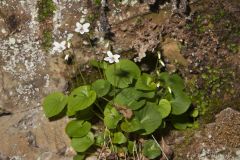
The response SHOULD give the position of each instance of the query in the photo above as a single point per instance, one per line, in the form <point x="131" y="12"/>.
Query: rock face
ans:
<point x="219" y="140"/>
<point x="26" y="76"/>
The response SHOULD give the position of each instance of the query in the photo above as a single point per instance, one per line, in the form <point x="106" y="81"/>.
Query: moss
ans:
<point x="207" y="90"/>
<point x="46" y="9"/>
<point x="47" y="40"/>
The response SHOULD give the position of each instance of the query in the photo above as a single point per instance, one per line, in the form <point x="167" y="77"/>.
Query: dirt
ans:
<point x="203" y="46"/>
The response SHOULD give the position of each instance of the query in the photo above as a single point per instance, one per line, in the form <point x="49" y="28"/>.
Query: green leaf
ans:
<point x="79" y="157"/>
<point x="130" y="147"/>
<point x="97" y="64"/>
<point x="181" y="122"/>
<point x="128" y="97"/>
<point x="54" y="104"/>
<point x="119" y="138"/>
<point x="175" y="82"/>
<point x="145" y="82"/>
<point x="78" y="128"/>
<point x="149" y="118"/>
<point x="111" y="117"/>
<point x="131" y="126"/>
<point x="122" y="74"/>
<point x="101" y="87"/>
<point x="164" y="107"/>
<point x="195" y="113"/>
<point x="100" y="139"/>
<point x="180" y="103"/>
<point x="151" y="149"/>
<point x="83" y="143"/>
<point x="80" y="99"/>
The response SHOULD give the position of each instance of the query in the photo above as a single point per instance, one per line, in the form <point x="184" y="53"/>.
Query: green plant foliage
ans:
<point x="101" y="87"/>
<point x="83" y="143"/>
<point x="97" y="64"/>
<point x="79" y="157"/>
<point x="111" y="117"/>
<point x="129" y="97"/>
<point x="195" y="113"/>
<point x="123" y="73"/>
<point x="100" y="139"/>
<point x="181" y="122"/>
<point x="80" y="98"/>
<point x="150" y="119"/>
<point x="129" y="104"/>
<point x="145" y="82"/>
<point x="78" y="128"/>
<point x="131" y="126"/>
<point x="180" y="103"/>
<point x="164" y="107"/>
<point x="119" y="138"/>
<point x="151" y="149"/>
<point x="130" y="147"/>
<point x="175" y="82"/>
<point x="54" y="104"/>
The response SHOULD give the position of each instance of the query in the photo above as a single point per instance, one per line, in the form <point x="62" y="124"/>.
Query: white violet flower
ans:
<point x="112" y="57"/>
<point x="59" y="47"/>
<point x="85" y="11"/>
<point x="82" y="28"/>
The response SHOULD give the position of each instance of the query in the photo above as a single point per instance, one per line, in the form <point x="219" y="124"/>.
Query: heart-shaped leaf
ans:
<point x="180" y="103"/>
<point x="131" y="126"/>
<point x="54" y="104"/>
<point x="119" y="138"/>
<point x="149" y="118"/>
<point x="164" y="107"/>
<point x="80" y="98"/>
<point x="129" y="97"/>
<point x="175" y="82"/>
<point x="145" y="82"/>
<point x="151" y="149"/>
<point x="78" y="128"/>
<point x="83" y="143"/>
<point x="101" y="87"/>
<point x="122" y="74"/>
<point x="111" y="117"/>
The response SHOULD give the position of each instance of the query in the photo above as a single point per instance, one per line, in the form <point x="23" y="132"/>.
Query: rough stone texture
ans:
<point x="219" y="140"/>
<point x="27" y="74"/>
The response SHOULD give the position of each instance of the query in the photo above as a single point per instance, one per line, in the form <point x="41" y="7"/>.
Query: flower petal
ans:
<point x="109" y="53"/>
<point x="78" y="25"/>
<point x="106" y="59"/>
<point x="63" y="43"/>
<point x="55" y="44"/>
<point x="86" y="25"/>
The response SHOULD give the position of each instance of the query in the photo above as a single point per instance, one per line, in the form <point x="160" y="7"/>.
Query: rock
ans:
<point x="219" y="140"/>
<point x="171" y="50"/>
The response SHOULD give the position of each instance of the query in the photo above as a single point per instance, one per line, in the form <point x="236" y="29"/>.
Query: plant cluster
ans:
<point x="131" y="104"/>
